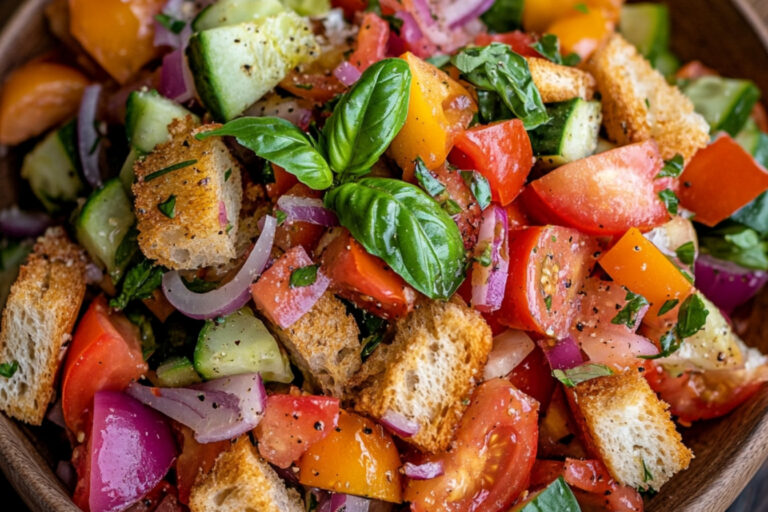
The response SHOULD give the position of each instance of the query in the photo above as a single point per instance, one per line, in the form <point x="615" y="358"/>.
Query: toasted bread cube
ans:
<point x="324" y="344"/>
<point x="242" y="481"/>
<point x="560" y="83"/>
<point x="628" y="427"/>
<point x="639" y="104"/>
<point x="37" y="322"/>
<point x="428" y="370"/>
<point x="202" y="228"/>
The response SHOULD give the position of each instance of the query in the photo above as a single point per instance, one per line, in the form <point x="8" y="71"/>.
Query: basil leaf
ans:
<point x="574" y="376"/>
<point x="8" y="370"/>
<point x="668" y="306"/>
<point x="168" y="207"/>
<point x="139" y="283"/>
<point x="402" y="225"/>
<point x="304" y="276"/>
<point x="146" y="332"/>
<point x="670" y="200"/>
<point x="281" y="143"/>
<point x="490" y="108"/>
<point x="504" y="15"/>
<point x="497" y="68"/>
<point x="755" y="214"/>
<point x="368" y="117"/>
<point x="672" y="168"/>
<point x="738" y="244"/>
<point x="556" y="497"/>
<point x="628" y="314"/>
<point x="686" y="253"/>
<point x="438" y="60"/>
<point x="479" y="186"/>
<point x="427" y="180"/>
<point x="549" y="47"/>
<point x="691" y="317"/>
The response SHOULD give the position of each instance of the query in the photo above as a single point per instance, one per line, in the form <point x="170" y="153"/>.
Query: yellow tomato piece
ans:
<point x="638" y="265"/>
<point x="439" y="108"/>
<point x="118" y="34"/>
<point x="582" y="33"/>
<point x="538" y="15"/>
<point x="358" y="457"/>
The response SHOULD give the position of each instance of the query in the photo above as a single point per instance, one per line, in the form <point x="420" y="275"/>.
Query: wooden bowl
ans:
<point x="727" y="36"/>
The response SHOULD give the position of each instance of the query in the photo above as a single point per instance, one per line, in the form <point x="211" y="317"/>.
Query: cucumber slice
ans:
<point x="176" y="372"/>
<point x="240" y="343"/>
<point x="103" y="223"/>
<point x="235" y="66"/>
<point x="309" y="7"/>
<point x="646" y="26"/>
<point x="724" y="102"/>
<point x="127" y="176"/>
<point x="667" y="64"/>
<point x="232" y="12"/>
<point x="571" y="133"/>
<point x="51" y="169"/>
<point x="147" y="116"/>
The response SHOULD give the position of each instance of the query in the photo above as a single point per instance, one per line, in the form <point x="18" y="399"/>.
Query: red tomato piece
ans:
<point x="350" y="7"/>
<point x="289" y="234"/>
<point x="519" y="41"/>
<point x="366" y="279"/>
<point x="516" y="215"/>
<point x="105" y="355"/>
<point x="694" y="69"/>
<point x="533" y="377"/>
<point x="547" y="267"/>
<point x="501" y="152"/>
<point x="194" y="459"/>
<point x="317" y="87"/>
<point x="604" y="194"/>
<point x="372" y="42"/>
<point x="494" y="452"/>
<point x="291" y="424"/>
<point x="468" y="220"/>
<point x="283" y="182"/>
<point x="714" y="195"/>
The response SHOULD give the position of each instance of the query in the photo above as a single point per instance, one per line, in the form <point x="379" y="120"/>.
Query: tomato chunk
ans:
<point x="519" y="41"/>
<point x="317" y="87"/>
<point x="357" y="457"/>
<point x="194" y="459"/>
<point x="501" y="152"/>
<point x="582" y="33"/>
<point x="105" y="356"/>
<point x="366" y="279"/>
<point x="494" y="452"/>
<point x="547" y="267"/>
<point x="468" y="219"/>
<point x="604" y="194"/>
<point x="284" y="181"/>
<point x="291" y="424"/>
<point x="371" y="42"/>
<point x="713" y="194"/>
<point x="533" y="376"/>
<point x="289" y="234"/>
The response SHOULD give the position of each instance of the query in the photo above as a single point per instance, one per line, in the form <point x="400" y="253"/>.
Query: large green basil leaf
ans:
<point x="281" y="143"/>
<point x="368" y="117"/>
<point x="401" y="224"/>
<point x="497" y="68"/>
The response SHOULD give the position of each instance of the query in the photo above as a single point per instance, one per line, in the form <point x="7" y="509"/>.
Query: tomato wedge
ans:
<point x="317" y="87"/>
<point x="194" y="459"/>
<point x="604" y="194"/>
<point x="283" y="182"/>
<point x="547" y="267"/>
<point x="371" y="42"/>
<point x="501" y="152"/>
<point x="468" y="219"/>
<point x="105" y="355"/>
<point x="290" y="234"/>
<point x="519" y="41"/>
<point x="494" y="452"/>
<point x="533" y="376"/>
<point x="291" y="424"/>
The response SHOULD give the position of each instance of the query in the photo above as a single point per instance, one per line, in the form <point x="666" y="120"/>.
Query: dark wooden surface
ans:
<point x="753" y="499"/>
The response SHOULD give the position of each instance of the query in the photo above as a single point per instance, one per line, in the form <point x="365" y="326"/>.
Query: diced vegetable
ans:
<point x="232" y="12"/>
<point x="724" y="102"/>
<point x="147" y="116"/>
<point x="240" y="343"/>
<point x="726" y="284"/>
<point x="195" y="458"/>
<point x="176" y="372"/>
<point x="714" y="195"/>
<point x="582" y="32"/>
<point x="372" y="42"/>
<point x="571" y="133"/>
<point x="533" y="377"/>
<point x="646" y="25"/>
<point x="309" y="7"/>
<point x="556" y="496"/>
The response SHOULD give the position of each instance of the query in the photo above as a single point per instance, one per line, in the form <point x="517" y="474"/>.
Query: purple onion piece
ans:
<point x="21" y="224"/>
<point x="564" y="355"/>
<point x="727" y="284"/>
<point x="489" y="282"/>
<point x="423" y="471"/>
<point x="347" y="73"/>
<point x="399" y="424"/>
<point x="88" y="138"/>
<point x="307" y="209"/>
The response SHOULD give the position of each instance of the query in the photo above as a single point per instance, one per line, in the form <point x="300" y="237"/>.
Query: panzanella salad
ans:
<point x="383" y="255"/>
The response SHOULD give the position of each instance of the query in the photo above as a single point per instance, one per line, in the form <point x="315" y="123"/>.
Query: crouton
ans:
<point x="324" y="344"/>
<point x="628" y="427"/>
<point x="639" y="104"/>
<point x="428" y="370"/>
<point x="200" y="229"/>
<point x="242" y="481"/>
<point x="560" y="83"/>
<point x="37" y="321"/>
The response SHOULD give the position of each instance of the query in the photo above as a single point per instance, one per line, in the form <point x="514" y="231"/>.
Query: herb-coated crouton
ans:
<point x="560" y="83"/>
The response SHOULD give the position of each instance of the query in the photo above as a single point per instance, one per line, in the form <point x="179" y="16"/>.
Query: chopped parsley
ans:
<point x="573" y="376"/>
<point x="280" y="215"/>
<point x="548" y="302"/>
<point x="304" y="276"/>
<point x="647" y="475"/>
<point x="140" y="281"/>
<point x="628" y="314"/>
<point x="672" y="168"/>
<point x="7" y="370"/>
<point x="686" y="253"/>
<point x="670" y="200"/>
<point x="168" y="207"/>
<point x="227" y="174"/>
<point x="691" y="318"/>
<point x="170" y="168"/>
<point x="668" y="306"/>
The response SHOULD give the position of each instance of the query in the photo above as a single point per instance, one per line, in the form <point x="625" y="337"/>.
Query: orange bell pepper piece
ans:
<point x="438" y="110"/>
<point x="538" y="15"/>
<point x="36" y="97"/>
<point x="719" y="180"/>
<point x="118" y="34"/>
<point x="582" y="33"/>
<point x="635" y="263"/>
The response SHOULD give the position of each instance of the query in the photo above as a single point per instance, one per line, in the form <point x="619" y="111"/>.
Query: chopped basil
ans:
<point x="139" y="283"/>
<point x="628" y="314"/>
<point x="304" y="276"/>
<point x="7" y="370"/>
<point x="451" y="207"/>
<point x="168" y="207"/>
<point x="170" y="168"/>
<point x="582" y="7"/>
<point x="668" y="306"/>
<point x="198" y="285"/>
<point x="736" y="243"/>
<point x="371" y="342"/>
<point x="171" y="23"/>
<point x="479" y="186"/>
<point x="672" y="168"/>
<point x="574" y="376"/>
<point x="670" y="200"/>
<point x="556" y="497"/>
<point x="647" y="475"/>
<point x="439" y="60"/>
<point x="227" y="174"/>
<point x="427" y="180"/>
<point x="395" y="23"/>
<point x="549" y="47"/>
<point x="504" y="16"/>
<point x="146" y="331"/>
<point x="548" y="302"/>
<point x="280" y="215"/>
<point x="686" y="253"/>
<point x="485" y="257"/>
<point x="691" y="318"/>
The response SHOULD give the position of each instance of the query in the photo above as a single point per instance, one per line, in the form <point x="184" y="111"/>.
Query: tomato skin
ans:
<point x="291" y="424"/>
<point x="105" y="355"/>
<point x="357" y="457"/>
<point x="534" y="300"/>
<point x="365" y="279"/>
<point x="533" y="377"/>
<point x="501" y="152"/>
<point x="495" y="448"/>
<point x="519" y="41"/>
<point x="290" y="234"/>
<point x="194" y="459"/>
<point x="468" y="220"/>
<point x="282" y="184"/>
<point x="372" y="42"/>
<point x="603" y="194"/>
<point x="350" y="7"/>
<point x="317" y="87"/>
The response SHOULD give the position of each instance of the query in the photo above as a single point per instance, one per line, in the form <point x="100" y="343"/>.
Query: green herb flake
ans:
<point x="692" y="316"/>
<point x="227" y="174"/>
<point x="647" y="475"/>
<point x="668" y="306"/>
<point x="306" y="87"/>
<point x="572" y="59"/>
<point x="304" y="276"/>
<point x="479" y="186"/>
<point x="139" y="283"/>
<point x="628" y="314"/>
<point x="172" y="24"/>
<point x="686" y="253"/>
<point x="548" y="302"/>
<point x="280" y="215"/>
<point x="439" y="60"/>
<point x="426" y="179"/>
<point x="670" y="200"/>
<point x="582" y="7"/>
<point x="8" y="370"/>
<point x="484" y="258"/>
<point x="395" y="23"/>
<point x="574" y="376"/>
<point x="371" y="342"/>
<point x="451" y="207"/>
<point x="672" y="168"/>
<point x="549" y="47"/>
<point x="171" y="168"/>
<point x="168" y="207"/>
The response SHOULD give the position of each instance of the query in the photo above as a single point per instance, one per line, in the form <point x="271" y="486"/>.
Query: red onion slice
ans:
<point x="307" y="209"/>
<point x="248" y="387"/>
<point x="347" y="503"/>
<point x="229" y="297"/>
<point x="459" y="12"/>
<point x="509" y="350"/>
<point x="399" y="424"/>
<point x="410" y="31"/>
<point x="88" y="138"/>
<point x="727" y="284"/>
<point x="423" y="471"/>
<point x="423" y="12"/>
<point x="347" y="73"/>
<point x="22" y="224"/>
<point x="489" y="281"/>
<point x="223" y="218"/>
<point x="564" y="354"/>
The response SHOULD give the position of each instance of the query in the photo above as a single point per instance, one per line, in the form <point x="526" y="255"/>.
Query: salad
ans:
<point x="369" y="255"/>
